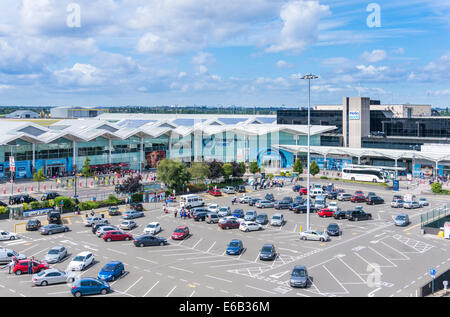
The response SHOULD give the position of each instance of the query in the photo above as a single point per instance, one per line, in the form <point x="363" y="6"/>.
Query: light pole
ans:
<point x="308" y="198"/>
<point x="413" y="161"/>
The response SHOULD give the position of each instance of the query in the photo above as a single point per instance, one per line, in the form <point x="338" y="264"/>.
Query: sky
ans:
<point x="215" y="52"/>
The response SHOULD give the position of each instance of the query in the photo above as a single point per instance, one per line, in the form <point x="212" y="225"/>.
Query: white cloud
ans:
<point x="374" y="56"/>
<point x="399" y="51"/>
<point x="284" y="64"/>
<point x="79" y="74"/>
<point x="203" y="58"/>
<point x="300" y="26"/>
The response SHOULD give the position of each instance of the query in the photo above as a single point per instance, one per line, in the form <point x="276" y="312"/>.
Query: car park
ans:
<point x="267" y="252"/>
<point x="374" y="200"/>
<point x="132" y="214"/>
<point x="111" y="271"/>
<point x="262" y="219"/>
<point x="229" y="224"/>
<point x="89" y="286"/>
<point x="224" y="211"/>
<point x="344" y="197"/>
<point x="264" y="204"/>
<point x="81" y="261"/>
<point x="180" y="233"/>
<point x="53" y="228"/>
<point x="229" y="190"/>
<point x="314" y="235"/>
<point x="277" y="220"/>
<point x="50" y="277"/>
<point x="325" y="212"/>
<point x="299" y="277"/>
<point x="23" y="267"/>
<point x="116" y="235"/>
<point x="402" y="220"/>
<point x="55" y="254"/>
<point x="6" y="255"/>
<point x="357" y="215"/>
<point x="5" y="235"/>
<point x="50" y="195"/>
<point x="397" y="203"/>
<point x="235" y="247"/>
<point x="212" y="218"/>
<point x="247" y="226"/>
<point x="333" y="229"/>
<point x="250" y="215"/>
<point x="149" y="240"/>
<point x="127" y="225"/>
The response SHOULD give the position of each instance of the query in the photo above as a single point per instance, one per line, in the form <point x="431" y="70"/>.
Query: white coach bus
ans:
<point x="364" y="174"/>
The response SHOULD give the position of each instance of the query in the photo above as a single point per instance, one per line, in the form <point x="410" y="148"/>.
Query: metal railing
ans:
<point x="434" y="218"/>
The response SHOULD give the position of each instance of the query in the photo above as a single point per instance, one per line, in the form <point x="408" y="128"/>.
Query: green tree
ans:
<point x="199" y="170"/>
<point x="86" y="171"/>
<point x="436" y="188"/>
<point x="173" y="173"/>
<point x="227" y="170"/>
<point x="253" y="167"/>
<point x="39" y="177"/>
<point x="243" y="169"/>
<point x="298" y="166"/>
<point x="314" y="168"/>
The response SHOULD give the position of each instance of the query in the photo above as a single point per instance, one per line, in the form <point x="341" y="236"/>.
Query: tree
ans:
<point x="227" y="170"/>
<point x="39" y="177"/>
<point x="199" y="170"/>
<point x="298" y="166"/>
<point x="86" y="171"/>
<point x="132" y="184"/>
<point x="238" y="169"/>
<point x="436" y="188"/>
<point x="243" y="169"/>
<point x="253" y="167"/>
<point x="173" y="173"/>
<point x="314" y="168"/>
<point x="215" y="169"/>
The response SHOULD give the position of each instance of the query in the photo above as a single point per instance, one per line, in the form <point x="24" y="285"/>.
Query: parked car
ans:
<point x="340" y="214"/>
<point x="111" y="271"/>
<point x="359" y="193"/>
<point x="299" y="277"/>
<point x="97" y="226"/>
<point x="247" y="226"/>
<point x="229" y="224"/>
<point x="262" y="219"/>
<point x="332" y="195"/>
<point x="423" y="202"/>
<point x="300" y="209"/>
<point x="269" y="197"/>
<point x="314" y="235"/>
<point x="137" y="207"/>
<point x="344" y="197"/>
<point x="240" y="189"/>
<point x="7" y="254"/>
<point x="81" y="261"/>
<point x="245" y="199"/>
<point x="127" y="225"/>
<point x="5" y="235"/>
<point x="116" y="235"/>
<point x="395" y="197"/>
<point x="277" y="220"/>
<point x="104" y="229"/>
<point x="113" y="211"/>
<point x="303" y="191"/>
<point x="238" y="213"/>
<point x="212" y="218"/>
<point x="215" y="192"/>
<point x="132" y="214"/>
<point x="333" y="229"/>
<point x="358" y="199"/>
<point x="325" y="213"/>
<point x="250" y="215"/>
<point x="402" y="220"/>
<point x="213" y="208"/>
<point x="229" y="190"/>
<point x="19" y="199"/>
<point x="36" y="266"/>
<point x="235" y="247"/>
<point x="50" y="277"/>
<point x="333" y="206"/>
<point x="267" y="252"/>
<point x="89" y="286"/>
<point x="55" y="254"/>
<point x="53" y="228"/>
<point x="92" y="220"/>
<point x="224" y="211"/>
<point x="264" y="204"/>
<point x="282" y="204"/>
<point x="200" y="216"/>
<point x="54" y="217"/>
<point x="253" y="201"/>
<point x="357" y="215"/>
<point x="149" y="240"/>
<point x="397" y="203"/>
<point x="50" y="195"/>
<point x="411" y="205"/>
<point x="374" y="200"/>
<point x="180" y="233"/>
<point x="370" y="194"/>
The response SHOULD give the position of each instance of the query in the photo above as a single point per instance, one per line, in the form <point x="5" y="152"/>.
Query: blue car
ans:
<point x="235" y="247"/>
<point x="238" y="213"/>
<point x="111" y="271"/>
<point x="89" y="286"/>
<point x="132" y="214"/>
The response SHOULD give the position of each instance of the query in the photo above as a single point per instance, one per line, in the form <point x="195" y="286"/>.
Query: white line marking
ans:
<point x="218" y="278"/>
<point x="150" y="289"/>
<point x="133" y="284"/>
<point x="171" y="290"/>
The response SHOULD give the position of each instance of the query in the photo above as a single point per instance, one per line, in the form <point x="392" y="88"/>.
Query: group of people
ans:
<point x="14" y="262"/>
<point x="184" y="213"/>
<point x="264" y="184"/>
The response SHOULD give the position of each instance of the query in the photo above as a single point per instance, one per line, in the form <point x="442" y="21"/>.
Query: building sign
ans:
<point x="354" y="115"/>
<point x="153" y="158"/>
<point x="12" y="164"/>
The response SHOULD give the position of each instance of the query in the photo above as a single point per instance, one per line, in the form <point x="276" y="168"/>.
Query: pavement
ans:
<point x="372" y="258"/>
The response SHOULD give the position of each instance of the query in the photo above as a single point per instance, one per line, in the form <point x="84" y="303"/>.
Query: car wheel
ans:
<point x="12" y="238"/>
<point x="44" y="283"/>
<point x="322" y="240"/>
<point x="127" y="238"/>
<point x="303" y="238"/>
<point x="18" y="272"/>
<point x="50" y="233"/>
<point x="108" y="240"/>
<point x="141" y="245"/>
<point x="370" y="218"/>
<point x="77" y="294"/>
<point x="161" y="243"/>
<point x="66" y="229"/>
<point x="113" y="278"/>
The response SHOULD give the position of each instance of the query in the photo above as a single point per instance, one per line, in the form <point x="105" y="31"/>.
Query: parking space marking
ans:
<point x="134" y="284"/>
<point x="260" y="289"/>
<point x="218" y="278"/>
<point x="120" y="252"/>
<point x="150" y="261"/>
<point x="151" y="289"/>
<point x="171" y="291"/>
<point x="179" y="269"/>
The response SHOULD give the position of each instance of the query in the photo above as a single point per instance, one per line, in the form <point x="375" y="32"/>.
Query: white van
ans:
<point x="191" y="201"/>
<point x="316" y="192"/>
<point x="7" y="254"/>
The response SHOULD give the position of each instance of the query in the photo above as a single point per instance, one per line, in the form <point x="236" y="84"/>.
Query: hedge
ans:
<point x="3" y="210"/>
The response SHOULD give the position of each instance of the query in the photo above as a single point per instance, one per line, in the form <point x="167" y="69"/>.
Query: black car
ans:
<point x="262" y="219"/>
<point x="137" y="207"/>
<point x="269" y="197"/>
<point x="3" y="204"/>
<point x="54" y="217"/>
<point x="253" y="201"/>
<point x="340" y="214"/>
<point x="282" y="204"/>
<point x="267" y="252"/>
<point x="19" y="199"/>
<point x="96" y="226"/>
<point x="33" y="225"/>
<point x="374" y="200"/>
<point x="146" y="240"/>
<point x="240" y="189"/>
<point x="48" y="196"/>
<point x="298" y="200"/>
<point x="200" y="215"/>
<point x="333" y="229"/>
<point x="288" y="199"/>
<point x="357" y="215"/>
<point x="299" y="209"/>
<point x="113" y="211"/>
<point x="332" y="195"/>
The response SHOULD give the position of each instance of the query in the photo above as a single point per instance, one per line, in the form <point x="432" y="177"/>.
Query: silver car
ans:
<point x="101" y="231"/>
<point x="398" y="203"/>
<point x="224" y="211"/>
<point x="314" y="235"/>
<point x="94" y="220"/>
<point x="277" y="220"/>
<point x="264" y="204"/>
<point x="250" y="215"/>
<point x="55" y="254"/>
<point x="127" y="225"/>
<point x="229" y="190"/>
<point x="299" y="276"/>
<point x="51" y="276"/>
<point x="402" y="220"/>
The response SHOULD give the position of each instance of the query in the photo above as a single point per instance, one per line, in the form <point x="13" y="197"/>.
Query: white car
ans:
<point x="277" y="220"/>
<point x="213" y="208"/>
<point x="344" y="197"/>
<point x="247" y="226"/>
<point x="225" y="219"/>
<point x="94" y="220"/>
<point x="245" y="199"/>
<point x="224" y="211"/>
<point x="152" y="228"/>
<point x="104" y="229"/>
<point x="229" y="190"/>
<point x="423" y="202"/>
<point x="314" y="235"/>
<point x="81" y="261"/>
<point x="333" y="206"/>
<point x="5" y="235"/>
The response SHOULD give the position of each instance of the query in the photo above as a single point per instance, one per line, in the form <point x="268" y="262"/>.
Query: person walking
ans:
<point x="30" y="267"/>
<point x="175" y="213"/>
<point x="12" y="264"/>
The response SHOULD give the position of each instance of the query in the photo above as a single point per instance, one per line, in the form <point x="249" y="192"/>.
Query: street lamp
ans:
<point x="308" y="198"/>
<point x="413" y="161"/>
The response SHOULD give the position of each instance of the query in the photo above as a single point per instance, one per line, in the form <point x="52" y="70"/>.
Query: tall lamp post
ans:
<point x="308" y="198"/>
<point x="413" y="161"/>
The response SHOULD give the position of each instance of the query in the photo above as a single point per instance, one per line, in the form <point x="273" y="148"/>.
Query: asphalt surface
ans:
<point x="371" y="258"/>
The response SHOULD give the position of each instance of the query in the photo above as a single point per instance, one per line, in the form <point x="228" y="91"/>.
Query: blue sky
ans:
<point x="234" y="52"/>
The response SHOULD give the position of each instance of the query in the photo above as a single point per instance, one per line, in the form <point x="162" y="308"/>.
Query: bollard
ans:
<point x="18" y="189"/>
<point x="4" y="192"/>
<point x="31" y="188"/>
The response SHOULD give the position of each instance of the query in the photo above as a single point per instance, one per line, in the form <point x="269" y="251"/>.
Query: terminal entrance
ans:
<point x="55" y="170"/>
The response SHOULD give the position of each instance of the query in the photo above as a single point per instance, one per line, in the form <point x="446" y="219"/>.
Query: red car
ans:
<point x="215" y="192"/>
<point x="116" y="236"/>
<point x="180" y="233"/>
<point x="325" y="213"/>
<point x="303" y="191"/>
<point x="229" y="224"/>
<point x="359" y="193"/>
<point x="22" y="267"/>
<point x="358" y="199"/>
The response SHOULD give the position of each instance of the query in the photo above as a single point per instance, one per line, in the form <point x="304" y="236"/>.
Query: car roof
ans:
<point x="298" y="267"/>
<point x="154" y="223"/>
<point x="84" y="253"/>
<point x="113" y="263"/>
<point x="182" y="227"/>
<point x="236" y="240"/>
<point x="268" y="245"/>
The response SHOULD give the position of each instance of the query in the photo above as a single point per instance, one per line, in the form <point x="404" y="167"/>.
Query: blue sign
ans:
<point x="433" y="273"/>
<point x="354" y="115"/>
<point x="396" y="186"/>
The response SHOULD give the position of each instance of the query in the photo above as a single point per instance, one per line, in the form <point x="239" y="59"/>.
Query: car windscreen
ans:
<point x="53" y="251"/>
<point x="179" y="230"/>
<point x="78" y="258"/>
<point x="266" y="249"/>
<point x="108" y="268"/>
<point x="234" y="244"/>
<point x="299" y="273"/>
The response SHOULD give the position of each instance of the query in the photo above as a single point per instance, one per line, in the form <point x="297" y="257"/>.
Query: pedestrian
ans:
<point x="92" y="213"/>
<point x="12" y="264"/>
<point x="30" y="267"/>
<point x="175" y="213"/>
